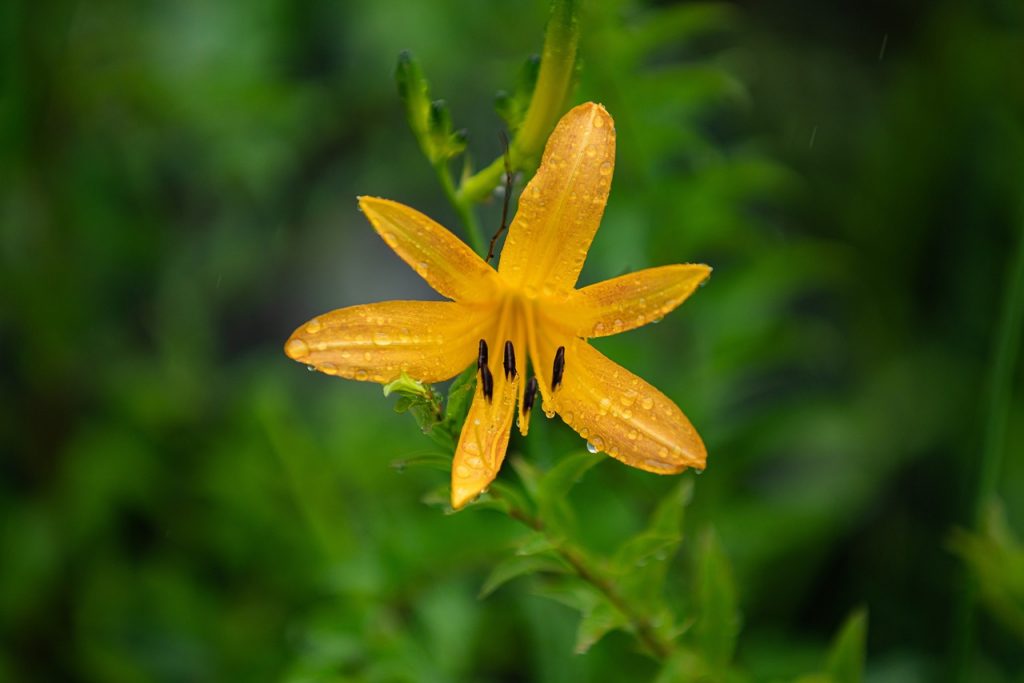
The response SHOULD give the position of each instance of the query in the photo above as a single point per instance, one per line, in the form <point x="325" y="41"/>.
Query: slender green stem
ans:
<point x="999" y="393"/>
<point x="554" y="81"/>
<point x="642" y="626"/>
<point x="465" y="209"/>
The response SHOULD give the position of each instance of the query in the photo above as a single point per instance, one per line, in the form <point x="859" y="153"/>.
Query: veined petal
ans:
<point x="484" y="439"/>
<point x="630" y="301"/>
<point x="624" y="416"/>
<point x="429" y="340"/>
<point x="561" y="207"/>
<point x="439" y="257"/>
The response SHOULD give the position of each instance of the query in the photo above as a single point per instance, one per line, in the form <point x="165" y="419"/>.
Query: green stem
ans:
<point x="642" y="626"/>
<point x="1000" y="383"/>
<point x="554" y="80"/>
<point x="463" y="208"/>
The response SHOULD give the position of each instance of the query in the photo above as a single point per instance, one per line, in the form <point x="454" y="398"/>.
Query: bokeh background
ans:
<point x="180" y="502"/>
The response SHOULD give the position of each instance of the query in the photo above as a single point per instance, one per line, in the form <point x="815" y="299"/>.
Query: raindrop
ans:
<point x="632" y="435"/>
<point x="313" y="326"/>
<point x="658" y="319"/>
<point x="381" y="338"/>
<point x="328" y="368"/>
<point x="311" y="368"/>
<point x="296" y="348"/>
<point x="389" y="239"/>
<point x="698" y="471"/>
<point x="591" y="447"/>
<point x="598" y="329"/>
<point x="596" y="444"/>
<point x="362" y="375"/>
<point x="646" y="402"/>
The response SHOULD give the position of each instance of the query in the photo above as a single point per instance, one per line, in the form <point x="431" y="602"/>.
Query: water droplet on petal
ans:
<point x="604" y="405"/>
<point x="591" y="447"/>
<point x="698" y="471"/>
<point x="313" y="326"/>
<point x="606" y="168"/>
<point x="389" y="239"/>
<point x="646" y="402"/>
<point x="632" y="435"/>
<point x="596" y="444"/>
<point x="381" y="338"/>
<point x="362" y="375"/>
<point x="328" y="368"/>
<point x="658" y="319"/>
<point x="598" y="329"/>
<point x="311" y="368"/>
<point x="296" y="348"/>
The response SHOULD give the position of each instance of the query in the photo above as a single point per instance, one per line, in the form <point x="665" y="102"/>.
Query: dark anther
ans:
<point x="481" y="359"/>
<point x="510" y="360"/>
<point x="559" y="369"/>
<point x="487" y="383"/>
<point x="531" y="393"/>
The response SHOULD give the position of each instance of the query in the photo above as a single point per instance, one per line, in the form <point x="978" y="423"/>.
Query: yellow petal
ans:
<point x="561" y="208"/>
<point x="622" y="415"/>
<point x="439" y="257"/>
<point x="484" y="439"/>
<point x="429" y="340"/>
<point x="630" y="301"/>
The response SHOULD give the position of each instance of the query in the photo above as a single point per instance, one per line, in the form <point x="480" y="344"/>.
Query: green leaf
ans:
<point x="846" y="656"/>
<point x="520" y="565"/>
<point x="685" y="666"/>
<point x="553" y="490"/>
<point x="557" y="481"/>
<point x="529" y="475"/>
<point x="718" y="620"/>
<point x="407" y="386"/>
<point x="996" y="559"/>
<point x="534" y="543"/>
<point x="596" y="623"/>
<point x="436" y="461"/>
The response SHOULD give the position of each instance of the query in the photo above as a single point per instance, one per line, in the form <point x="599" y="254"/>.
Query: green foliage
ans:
<point x="180" y="502"/>
<point x="995" y="558"/>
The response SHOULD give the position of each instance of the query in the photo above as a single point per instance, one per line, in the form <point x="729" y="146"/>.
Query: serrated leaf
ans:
<point x="520" y="565"/>
<point x="846" y="656"/>
<point x="602" y="619"/>
<point x="718" y="621"/>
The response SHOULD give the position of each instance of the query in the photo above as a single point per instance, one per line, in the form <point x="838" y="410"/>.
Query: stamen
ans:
<point x="559" y="369"/>
<point x="531" y="393"/>
<point x="481" y="359"/>
<point x="487" y="383"/>
<point x="510" y="360"/>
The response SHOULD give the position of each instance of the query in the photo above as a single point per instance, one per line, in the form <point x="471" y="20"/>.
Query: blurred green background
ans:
<point x="180" y="502"/>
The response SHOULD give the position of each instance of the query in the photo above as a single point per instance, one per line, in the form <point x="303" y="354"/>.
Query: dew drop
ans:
<point x="296" y="348"/>
<point x="422" y="267"/>
<point x="658" y="319"/>
<point x="598" y="122"/>
<point x="591" y="447"/>
<point x="313" y="326"/>
<point x="548" y="413"/>
<point x="568" y="417"/>
<point x="698" y="471"/>
<point x="604" y="405"/>
<point x="617" y="325"/>
<point x="381" y="338"/>
<point x="362" y="375"/>
<point x="606" y="168"/>
<point x="632" y="435"/>
<point x="628" y="398"/>
<point x="389" y="239"/>
<point x="328" y="368"/>
<point x="311" y="368"/>
<point x="462" y="471"/>
<point x="598" y="329"/>
<point x="646" y="402"/>
<point x="591" y="151"/>
<point x="596" y="444"/>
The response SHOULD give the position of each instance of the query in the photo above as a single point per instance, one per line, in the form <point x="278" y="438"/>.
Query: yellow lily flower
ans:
<point x="528" y="307"/>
